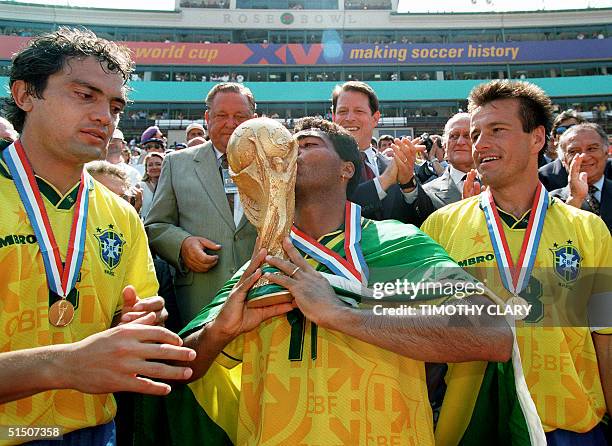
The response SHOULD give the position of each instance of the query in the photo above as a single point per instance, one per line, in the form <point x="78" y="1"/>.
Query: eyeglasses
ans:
<point x="561" y="129"/>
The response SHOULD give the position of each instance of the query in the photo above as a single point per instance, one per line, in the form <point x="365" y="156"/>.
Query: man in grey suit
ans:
<point x="447" y="188"/>
<point x="196" y="222"/>
<point x="584" y="148"/>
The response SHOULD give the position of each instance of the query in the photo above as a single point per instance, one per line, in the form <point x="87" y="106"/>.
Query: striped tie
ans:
<point x="230" y="196"/>
<point x="592" y="201"/>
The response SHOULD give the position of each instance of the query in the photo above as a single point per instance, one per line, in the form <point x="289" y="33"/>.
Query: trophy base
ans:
<point x="270" y="299"/>
<point x="265" y="293"/>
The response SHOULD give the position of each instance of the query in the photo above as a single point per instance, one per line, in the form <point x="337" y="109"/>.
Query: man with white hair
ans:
<point x="194" y="130"/>
<point x="447" y="188"/>
<point x="583" y="149"/>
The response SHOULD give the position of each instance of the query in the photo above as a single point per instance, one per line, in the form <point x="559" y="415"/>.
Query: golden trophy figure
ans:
<point x="262" y="156"/>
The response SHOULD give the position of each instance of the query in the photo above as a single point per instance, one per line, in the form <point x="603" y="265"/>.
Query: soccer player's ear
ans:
<point x="348" y="170"/>
<point x="538" y="136"/>
<point x="22" y="97"/>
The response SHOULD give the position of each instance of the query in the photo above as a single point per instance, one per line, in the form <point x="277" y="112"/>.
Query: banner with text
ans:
<point x="335" y="53"/>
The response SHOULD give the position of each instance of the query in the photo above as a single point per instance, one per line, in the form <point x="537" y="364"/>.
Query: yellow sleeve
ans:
<point x="431" y="225"/>
<point x="140" y="271"/>
<point x="231" y="356"/>
<point x="601" y="296"/>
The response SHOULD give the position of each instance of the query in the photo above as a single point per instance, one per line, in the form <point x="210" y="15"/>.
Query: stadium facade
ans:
<point x="421" y="65"/>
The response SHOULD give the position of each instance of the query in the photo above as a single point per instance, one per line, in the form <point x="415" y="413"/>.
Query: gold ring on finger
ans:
<point x="293" y="273"/>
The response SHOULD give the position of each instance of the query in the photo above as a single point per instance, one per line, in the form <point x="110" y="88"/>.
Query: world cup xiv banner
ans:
<point x="334" y="53"/>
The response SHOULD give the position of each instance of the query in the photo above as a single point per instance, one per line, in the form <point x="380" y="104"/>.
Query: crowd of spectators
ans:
<point x="346" y="36"/>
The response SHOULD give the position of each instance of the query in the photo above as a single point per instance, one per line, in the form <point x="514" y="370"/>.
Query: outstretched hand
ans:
<point x="235" y="317"/>
<point x="127" y="358"/>
<point x="312" y="293"/>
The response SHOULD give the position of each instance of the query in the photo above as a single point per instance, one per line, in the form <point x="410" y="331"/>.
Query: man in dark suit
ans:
<point x="584" y="148"/>
<point x="381" y="191"/>
<point x="553" y="174"/>
<point x="196" y="222"/>
<point x="448" y="187"/>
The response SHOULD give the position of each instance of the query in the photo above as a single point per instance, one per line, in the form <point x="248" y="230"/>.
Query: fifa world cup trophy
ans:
<point x="262" y="156"/>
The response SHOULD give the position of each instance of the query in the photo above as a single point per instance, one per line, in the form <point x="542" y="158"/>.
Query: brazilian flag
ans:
<point x="203" y="412"/>
<point x="488" y="403"/>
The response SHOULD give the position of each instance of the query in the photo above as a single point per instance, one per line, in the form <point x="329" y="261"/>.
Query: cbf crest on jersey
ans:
<point x="566" y="260"/>
<point x="110" y="244"/>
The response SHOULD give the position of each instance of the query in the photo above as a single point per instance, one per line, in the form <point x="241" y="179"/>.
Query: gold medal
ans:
<point x="61" y="313"/>
<point x="517" y="300"/>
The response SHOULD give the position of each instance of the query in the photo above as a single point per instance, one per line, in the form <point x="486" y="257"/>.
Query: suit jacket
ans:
<point x="190" y="200"/>
<point x="605" y="205"/>
<point x="554" y="176"/>
<point x="393" y="206"/>
<point x="434" y="195"/>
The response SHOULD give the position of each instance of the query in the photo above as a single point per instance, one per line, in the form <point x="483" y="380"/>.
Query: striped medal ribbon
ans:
<point x="61" y="279"/>
<point x="516" y="277"/>
<point x="354" y="267"/>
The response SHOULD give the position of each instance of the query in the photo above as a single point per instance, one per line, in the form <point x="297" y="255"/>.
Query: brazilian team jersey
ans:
<point x="329" y="388"/>
<point x="116" y="254"/>
<point x="556" y="348"/>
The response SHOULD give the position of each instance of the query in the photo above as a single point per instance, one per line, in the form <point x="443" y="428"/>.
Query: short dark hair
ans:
<point x="385" y="138"/>
<point x="535" y="107"/>
<point x="570" y="113"/>
<point x="344" y="144"/>
<point x="231" y="87"/>
<point x="49" y="53"/>
<point x="360" y="87"/>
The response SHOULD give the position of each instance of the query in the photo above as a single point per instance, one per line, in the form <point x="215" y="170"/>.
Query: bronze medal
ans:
<point x="517" y="300"/>
<point x="61" y="313"/>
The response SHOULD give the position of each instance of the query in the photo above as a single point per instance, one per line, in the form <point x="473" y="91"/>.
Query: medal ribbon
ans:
<point x="60" y="279"/>
<point x="354" y="267"/>
<point x="516" y="277"/>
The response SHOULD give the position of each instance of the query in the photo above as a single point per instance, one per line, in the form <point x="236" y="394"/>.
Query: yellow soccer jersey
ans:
<point x="353" y="393"/>
<point x="555" y="342"/>
<point x="116" y="254"/>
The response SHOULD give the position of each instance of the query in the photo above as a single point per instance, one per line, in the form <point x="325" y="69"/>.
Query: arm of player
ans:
<point x="431" y="338"/>
<point x="122" y="358"/>
<point x="234" y="319"/>
<point x="603" y="350"/>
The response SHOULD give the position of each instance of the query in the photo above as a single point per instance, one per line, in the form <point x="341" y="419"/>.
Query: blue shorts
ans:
<point x="102" y="435"/>
<point x="594" y="437"/>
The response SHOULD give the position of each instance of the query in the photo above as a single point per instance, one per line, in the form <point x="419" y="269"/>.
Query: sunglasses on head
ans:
<point x="154" y="145"/>
<point x="561" y="129"/>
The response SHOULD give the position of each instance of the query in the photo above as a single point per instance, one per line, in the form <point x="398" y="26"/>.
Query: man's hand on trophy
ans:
<point x="235" y="317"/>
<point x="311" y="292"/>
<point x="194" y="255"/>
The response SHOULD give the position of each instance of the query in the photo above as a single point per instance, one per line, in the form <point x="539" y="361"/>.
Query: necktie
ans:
<point x="592" y="201"/>
<point x="366" y="171"/>
<point x="230" y="197"/>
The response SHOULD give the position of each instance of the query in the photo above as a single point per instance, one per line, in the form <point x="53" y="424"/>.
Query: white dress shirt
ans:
<point x="370" y="160"/>
<point x="238" y="209"/>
